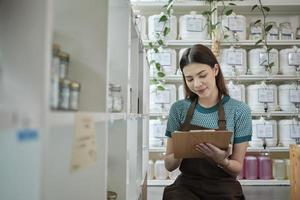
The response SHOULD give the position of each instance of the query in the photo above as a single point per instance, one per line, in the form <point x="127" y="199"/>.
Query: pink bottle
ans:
<point x="265" y="167"/>
<point x="251" y="167"/>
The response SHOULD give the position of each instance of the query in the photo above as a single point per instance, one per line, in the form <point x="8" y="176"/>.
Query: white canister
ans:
<point x="289" y="129"/>
<point x="157" y="128"/>
<point x="273" y="33"/>
<point x="150" y="172"/>
<point x="173" y="174"/>
<point x="233" y="61"/>
<point x="236" y="25"/>
<point x="289" y="60"/>
<point x="289" y="96"/>
<point x="279" y="169"/>
<point x="181" y="92"/>
<point x="161" y="100"/>
<point x="193" y="27"/>
<point x="160" y="171"/>
<point x="236" y="91"/>
<point x="261" y="97"/>
<point x="258" y="58"/>
<point x="154" y="27"/>
<point x="263" y="129"/>
<point x="167" y="60"/>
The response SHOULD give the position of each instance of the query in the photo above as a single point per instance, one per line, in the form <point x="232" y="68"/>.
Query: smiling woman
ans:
<point x="207" y="106"/>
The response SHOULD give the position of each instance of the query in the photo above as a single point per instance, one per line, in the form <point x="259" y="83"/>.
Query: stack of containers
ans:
<point x="155" y="27"/>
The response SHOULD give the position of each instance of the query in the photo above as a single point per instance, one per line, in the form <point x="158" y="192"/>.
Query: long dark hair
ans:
<point x="203" y="55"/>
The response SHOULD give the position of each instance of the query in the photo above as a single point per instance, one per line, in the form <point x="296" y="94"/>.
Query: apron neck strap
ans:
<point x="190" y="112"/>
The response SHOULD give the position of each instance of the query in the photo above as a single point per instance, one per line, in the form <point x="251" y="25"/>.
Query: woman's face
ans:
<point x="200" y="79"/>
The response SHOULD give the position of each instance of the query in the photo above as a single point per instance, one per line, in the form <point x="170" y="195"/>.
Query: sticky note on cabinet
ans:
<point x="84" y="153"/>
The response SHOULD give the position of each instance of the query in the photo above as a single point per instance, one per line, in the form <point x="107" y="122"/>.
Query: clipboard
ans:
<point x="184" y="141"/>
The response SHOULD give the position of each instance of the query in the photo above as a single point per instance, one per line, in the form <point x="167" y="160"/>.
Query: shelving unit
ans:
<point x="280" y="12"/>
<point x="38" y="165"/>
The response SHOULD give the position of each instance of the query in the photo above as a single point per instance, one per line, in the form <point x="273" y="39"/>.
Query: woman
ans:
<point x="207" y="106"/>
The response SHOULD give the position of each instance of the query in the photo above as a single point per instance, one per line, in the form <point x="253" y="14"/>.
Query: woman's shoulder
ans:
<point x="181" y="104"/>
<point x="239" y="106"/>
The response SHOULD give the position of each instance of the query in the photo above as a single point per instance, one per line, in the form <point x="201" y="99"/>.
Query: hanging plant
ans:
<point x="264" y="10"/>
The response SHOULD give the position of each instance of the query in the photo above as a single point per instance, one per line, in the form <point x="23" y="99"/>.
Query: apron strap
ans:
<point x="190" y="112"/>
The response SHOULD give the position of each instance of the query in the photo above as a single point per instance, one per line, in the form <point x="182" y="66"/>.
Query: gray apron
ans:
<point x="201" y="178"/>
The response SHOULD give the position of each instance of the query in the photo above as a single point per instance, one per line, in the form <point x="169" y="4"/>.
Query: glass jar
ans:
<point x="54" y="86"/>
<point x="279" y="169"/>
<point x="298" y="33"/>
<point x="273" y="33"/>
<point x="286" y="32"/>
<point x="255" y="31"/>
<point x="63" y="64"/>
<point x="264" y="167"/>
<point x="117" y="99"/>
<point x="74" y="95"/>
<point x="64" y="94"/>
<point x="111" y="195"/>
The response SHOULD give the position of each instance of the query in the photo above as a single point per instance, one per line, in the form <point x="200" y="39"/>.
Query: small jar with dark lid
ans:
<point x="63" y="64"/>
<point x="64" y="94"/>
<point x="74" y="95"/>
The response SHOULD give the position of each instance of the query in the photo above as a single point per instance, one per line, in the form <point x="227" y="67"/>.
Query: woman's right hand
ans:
<point x="171" y="162"/>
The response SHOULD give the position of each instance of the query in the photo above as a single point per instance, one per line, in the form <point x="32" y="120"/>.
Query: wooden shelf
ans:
<point x="273" y="182"/>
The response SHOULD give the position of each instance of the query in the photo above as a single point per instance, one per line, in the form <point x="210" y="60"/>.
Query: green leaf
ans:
<point x="213" y="10"/>
<point x="206" y="13"/>
<point x="161" y="74"/>
<point x="158" y="66"/>
<point x="163" y="18"/>
<point x="268" y="28"/>
<point x="160" y="42"/>
<point x="156" y="50"/>
<point x="151" y="45"/>
<point x="269" y="49"/>
<point x="257" y="21"/>
<point x="228" y="12"/>
<point x="153" y="81"/>
<point x="226" y="27"/>
<point x="253" y="7"/>
<point x="226" y="36"/>
<point x="152" y="62"/>
<point x="256" y="43"/>
<point x="266" y="8"/>
<point x="166" y="31"/>
<point x="271" y="64"/>
<point x="232" y="4"/>
<point x="160" y="87"/>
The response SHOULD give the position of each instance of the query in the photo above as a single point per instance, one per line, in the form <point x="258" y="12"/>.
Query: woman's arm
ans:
<point x="171" y="163"/>
<point x="232" y="165"/>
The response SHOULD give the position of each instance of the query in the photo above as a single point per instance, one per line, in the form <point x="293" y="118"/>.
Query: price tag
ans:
<point x="235" y="24"/>
<point x="294" y="59"/>
<point x="235" y="93"/>
<point x="163" y="97"/>
<point x="265" y="60"/>
<point x="264" y="131"/>
<point x="234" y="58"/>
<point x="294" y="96"/>
<point x="159" y="26"/>
<point x="265" y="95"/>
<point x="163" y="58"/>
<point x="194" y="24"/>
<point x="256" y="30"/>
<point x="295" y="131"/>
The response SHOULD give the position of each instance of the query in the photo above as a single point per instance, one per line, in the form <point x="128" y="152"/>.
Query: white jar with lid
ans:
<point x="233" y="61"/>
<point x="236" y="91"/>
<point x="273" y="33"/>
<point x="289" y="129"/>
<point x="289" y="96"/>
<point x="236" y="25"/>
<point x="264" y="130"/>
<point x="286" y="31"/>
<point x="167" y="60"/>
<point x="193" y="27"/>
<point x="160" y="171"/>
<point x="258" y="58"/>
<point x="157" y="128"/>
<point x="279" y="169"/>
<point x="154" y="27"/>
<point x="289" y="60"/>
<point x="262" y="97"/>
<point x="255" y="31"/>
<point x="162" y="100"/>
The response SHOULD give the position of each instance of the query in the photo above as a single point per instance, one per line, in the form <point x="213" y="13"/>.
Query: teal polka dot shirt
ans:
<point x="237" y="115"/>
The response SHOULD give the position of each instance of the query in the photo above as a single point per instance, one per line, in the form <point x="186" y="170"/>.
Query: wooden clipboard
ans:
<point x="184" y="141"/>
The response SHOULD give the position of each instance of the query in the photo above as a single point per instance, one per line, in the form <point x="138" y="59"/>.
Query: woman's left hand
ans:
<point x="218" y="155"/>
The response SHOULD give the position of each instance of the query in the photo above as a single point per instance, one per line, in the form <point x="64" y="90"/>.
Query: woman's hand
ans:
<point x="213" y="152"/>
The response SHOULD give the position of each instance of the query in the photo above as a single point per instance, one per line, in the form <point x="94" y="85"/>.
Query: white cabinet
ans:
<point x="37" y="143"/>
